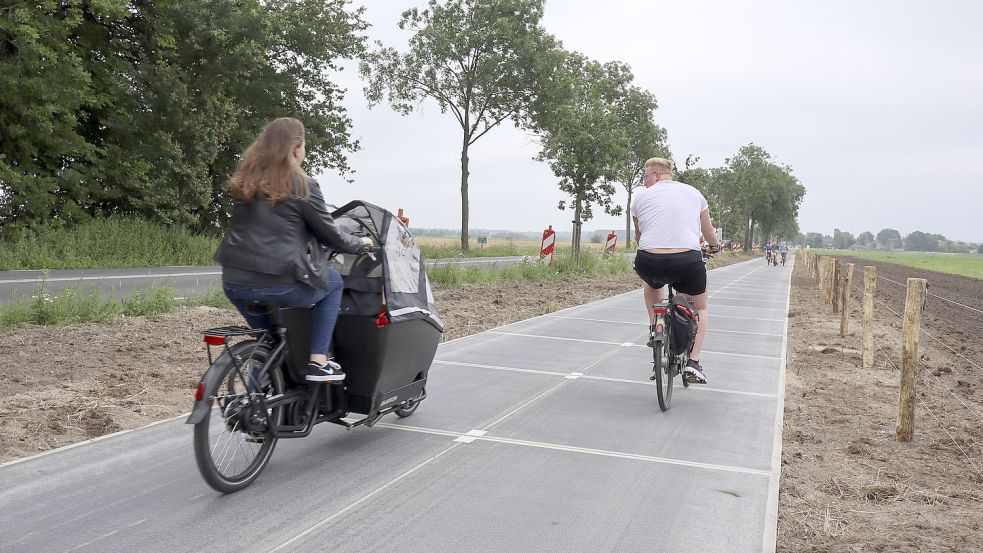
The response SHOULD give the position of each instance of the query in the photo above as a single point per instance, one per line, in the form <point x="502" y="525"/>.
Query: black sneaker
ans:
<point x="693" y="373"/>
<point x="651" y="342"/>
<point x="328" y="372"/>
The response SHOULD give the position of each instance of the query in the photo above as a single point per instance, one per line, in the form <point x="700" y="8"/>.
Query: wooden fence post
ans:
<point x="914" y="302"/>
<point x="825" y="278"/>
<point x="845" y="301"/>
<point x="835" y="287"/>
<point x="870" y="282"/>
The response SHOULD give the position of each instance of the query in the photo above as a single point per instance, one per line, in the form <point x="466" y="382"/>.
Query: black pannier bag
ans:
<point x="388" y="327"/>
<point x="683" y="324"/>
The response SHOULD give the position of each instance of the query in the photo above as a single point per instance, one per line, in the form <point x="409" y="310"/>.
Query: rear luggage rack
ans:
<point x="219" y="336"/>
<point x="237" y="330"/>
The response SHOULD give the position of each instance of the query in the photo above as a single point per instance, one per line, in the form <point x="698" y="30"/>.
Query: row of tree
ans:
<point x="133" y="107"/>
<point x="488" y="62"/>
<point x="143" y="108"/>
<point x="889" y="239"/>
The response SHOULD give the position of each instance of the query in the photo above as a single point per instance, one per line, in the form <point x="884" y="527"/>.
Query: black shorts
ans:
<point x="684" y="271"/>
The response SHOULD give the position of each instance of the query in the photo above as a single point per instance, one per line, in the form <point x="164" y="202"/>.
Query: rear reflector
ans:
<point x="661" y="310"/>
<point x="382" y="320"/>
<point x="658" y="329"/>
<point x="200" y="392"/>
<point x="214" y="340"/>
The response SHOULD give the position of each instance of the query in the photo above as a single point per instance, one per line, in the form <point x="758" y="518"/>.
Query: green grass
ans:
<point x="964" y="264"/>
<point x="74" y="305"/>
<point x="105" y="243"/>
<point x="593" y="263"/>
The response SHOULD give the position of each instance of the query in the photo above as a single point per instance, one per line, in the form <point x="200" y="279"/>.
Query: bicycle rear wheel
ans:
<point x="663" y="372"/>
<point x="234" y="442"/>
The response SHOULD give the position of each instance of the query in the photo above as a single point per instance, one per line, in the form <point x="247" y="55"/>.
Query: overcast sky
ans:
<point x="877" y="106"/>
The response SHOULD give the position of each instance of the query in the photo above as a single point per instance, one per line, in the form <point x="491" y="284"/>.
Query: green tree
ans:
<point x="866" y="238"/>
<point x="166" y="97"/>
<point x="646" y="140"/>
<point x="765" y="195"/>
<point x="889" y="238"/>
<point x="45" y="82"/>
<point x="814" y="239"/>
<point x="842" y="240"/>
<point x="478" y="59"/>
<point x="920" y="241"/>
<point x="583" y="138"/>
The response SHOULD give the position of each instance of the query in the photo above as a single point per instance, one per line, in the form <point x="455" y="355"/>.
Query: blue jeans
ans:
<point x="326" y="305"/>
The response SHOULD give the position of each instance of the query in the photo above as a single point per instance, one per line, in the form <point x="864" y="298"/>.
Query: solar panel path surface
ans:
<point x="541" y="436"/>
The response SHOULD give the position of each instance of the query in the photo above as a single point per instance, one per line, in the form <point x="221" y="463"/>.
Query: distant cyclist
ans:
<point x="783" y="249"/>
<point x="768" y="252"/>
<point x="669" y="219"/>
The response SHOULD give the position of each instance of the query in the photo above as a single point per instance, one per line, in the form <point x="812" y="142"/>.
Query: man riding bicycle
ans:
<point x="669" y="219"/>
<point x="768" y="252"/>
<point x="783" y="249"/>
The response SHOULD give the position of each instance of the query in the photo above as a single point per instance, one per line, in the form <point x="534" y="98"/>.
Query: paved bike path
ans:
<point x="544" y="435"/>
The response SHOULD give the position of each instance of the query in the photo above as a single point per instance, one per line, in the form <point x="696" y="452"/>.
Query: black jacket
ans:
<point x="281" y="242"/>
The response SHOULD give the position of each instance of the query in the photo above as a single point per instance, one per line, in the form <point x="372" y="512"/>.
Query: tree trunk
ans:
<point x="464" y="194"/>
<point x="749" y="234"/>
<point x="576" y="231"/>
<point x="628" y="233"/>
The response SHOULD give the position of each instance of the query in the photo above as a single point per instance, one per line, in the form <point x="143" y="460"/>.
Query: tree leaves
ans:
<point x="133" y="107"/>
<point x="479" y="60"/>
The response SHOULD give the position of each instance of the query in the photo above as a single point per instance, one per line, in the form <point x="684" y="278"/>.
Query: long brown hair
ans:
<point x="267" y="166"/>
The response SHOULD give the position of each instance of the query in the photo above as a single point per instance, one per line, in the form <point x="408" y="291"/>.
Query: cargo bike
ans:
<point x="254" y="392"/>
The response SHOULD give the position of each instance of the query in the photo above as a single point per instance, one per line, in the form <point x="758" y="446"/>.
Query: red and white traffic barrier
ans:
<point x="737" y="247"/>
<point x="612" y="242"/>
<point x="549" y="241"/>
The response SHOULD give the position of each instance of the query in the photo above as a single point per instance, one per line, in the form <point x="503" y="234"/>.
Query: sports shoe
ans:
<point x="328" y="372"/>
<point x="651" y="342"/>
<point x="693" y="373"/>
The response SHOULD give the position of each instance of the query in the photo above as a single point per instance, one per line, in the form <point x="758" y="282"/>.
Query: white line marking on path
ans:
<point x="646" y="324"/>
<point x="584" y="450"/>
<point x="635" y="309"/>
<point x="470" y="436"/>
<point x="599" y="378"/>
<point x="93" y="440"/>
<point x="433" y="459"/>
<point x="619" y="344"/>
<point x="769" y="538"/>
<point x="116" y="277"/>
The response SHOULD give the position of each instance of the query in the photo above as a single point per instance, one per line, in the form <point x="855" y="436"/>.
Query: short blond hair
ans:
<point x="660" y="162"/>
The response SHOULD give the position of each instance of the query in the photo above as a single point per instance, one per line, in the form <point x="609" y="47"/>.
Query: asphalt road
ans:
<point x="540" y="436"/>
<point x="188" y="281"/>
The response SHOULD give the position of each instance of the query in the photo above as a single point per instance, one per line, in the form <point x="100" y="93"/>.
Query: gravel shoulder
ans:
<point x="846" y="484"/>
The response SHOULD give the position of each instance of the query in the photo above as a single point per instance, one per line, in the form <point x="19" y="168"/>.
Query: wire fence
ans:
<point x="928" y="409"/>
<point x="945" y="391"/>
<point x="936" y="296"/>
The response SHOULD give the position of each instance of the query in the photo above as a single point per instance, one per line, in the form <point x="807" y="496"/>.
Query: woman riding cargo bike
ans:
<point x="317" y="347"/>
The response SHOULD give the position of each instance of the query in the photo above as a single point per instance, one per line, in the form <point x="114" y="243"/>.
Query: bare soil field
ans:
<point x="846" y="484"/>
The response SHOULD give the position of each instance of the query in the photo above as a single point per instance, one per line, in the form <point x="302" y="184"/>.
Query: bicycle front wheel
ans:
<point x="234" y="442"/>
<point x="663" y="373"/>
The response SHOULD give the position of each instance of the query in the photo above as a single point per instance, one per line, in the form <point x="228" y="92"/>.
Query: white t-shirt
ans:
<point x="668" y="215"/>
